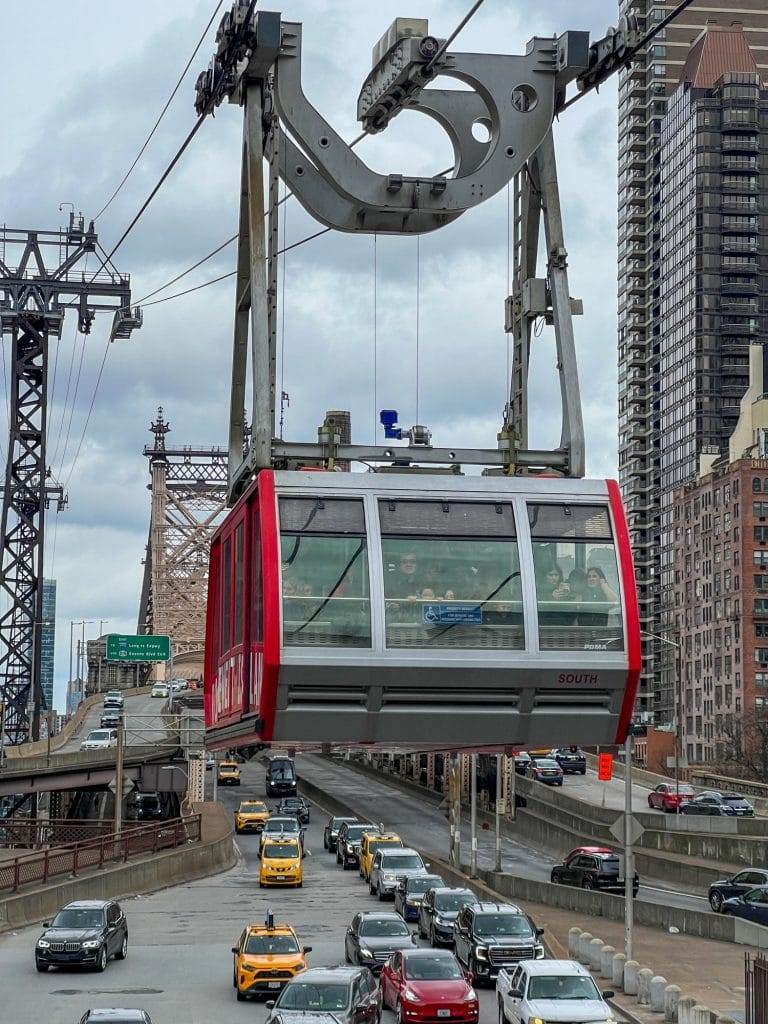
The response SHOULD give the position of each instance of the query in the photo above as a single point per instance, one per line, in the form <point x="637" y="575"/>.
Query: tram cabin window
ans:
<point x="577" y="579"/>
<point x="451" y="575"/>
<point x="324" y="566"/>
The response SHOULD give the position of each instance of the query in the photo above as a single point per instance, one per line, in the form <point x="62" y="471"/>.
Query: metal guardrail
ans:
<point x="35" y="833"/>
<point x="98" y="852"/>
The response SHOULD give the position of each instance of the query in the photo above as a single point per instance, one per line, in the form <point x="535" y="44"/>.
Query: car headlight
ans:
<point x="366" y="954"/>
<point x="539" y="952"/>
<point x="92" y="944"/>
<point x="43" y="944"/>
<point x="536" y="1020"/>
<point x="411" y="997"/>
<point x="481" y="953"/>
<point x="387" y="877"/>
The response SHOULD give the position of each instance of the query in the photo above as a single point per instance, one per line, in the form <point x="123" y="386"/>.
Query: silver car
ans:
<point x="390" y="865"/>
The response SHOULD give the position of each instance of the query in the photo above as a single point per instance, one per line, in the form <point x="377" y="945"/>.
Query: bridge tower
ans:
<point x="189" y="493"/>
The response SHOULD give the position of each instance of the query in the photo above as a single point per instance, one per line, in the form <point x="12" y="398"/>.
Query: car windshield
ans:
<point x="355" y="831"/>
<point x="292" y="801"/>
<point x="228" y="766"/>
<point x="282" y="771"/>
<point x="555" y="986"/>
<point x="252" y="807"/>
<point x="449" y="901"/>
<point x="423" y="883"/>
<point x="270" y="945"/>
<point x="99" y="734"/>
<point x="733" y="798"/>
<point x="546" y="762"/>
<point x="431" y="968"/>
<point x="565" y="752"/>
<point x="78" y="918"/>
<point x="281" y="851"/>
<point x="411" y="863"/>
<point x="492" y="925"/>
<point x="305" y="995"/>
<point x="282" y="825"/>
<point x="338" y="822"/>
<point x="383" y="926"/>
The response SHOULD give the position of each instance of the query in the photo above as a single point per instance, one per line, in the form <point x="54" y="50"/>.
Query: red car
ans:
<point x="426" y="985"/>
<point x="668" y="796"/>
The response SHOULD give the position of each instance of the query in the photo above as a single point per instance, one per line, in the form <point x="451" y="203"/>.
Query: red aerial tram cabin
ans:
<point x="439" y="612"/>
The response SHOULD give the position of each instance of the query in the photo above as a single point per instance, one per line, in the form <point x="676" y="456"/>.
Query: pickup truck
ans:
<point x="556" y="991"/>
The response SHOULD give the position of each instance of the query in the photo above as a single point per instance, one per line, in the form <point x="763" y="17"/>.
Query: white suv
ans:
<point x="555" y="991"/>
<point x="100" y="739"/>
<point x="390" y="865"/>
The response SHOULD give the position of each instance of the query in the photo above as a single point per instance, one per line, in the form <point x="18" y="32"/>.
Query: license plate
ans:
<point x="443" y="1013"/>
<point x="273" y="984"/>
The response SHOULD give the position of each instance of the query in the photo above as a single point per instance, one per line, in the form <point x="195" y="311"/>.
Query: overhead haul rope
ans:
<point x="282" y="311"/>
<point x="375" y="337"/>
<point x="418" y="317"/>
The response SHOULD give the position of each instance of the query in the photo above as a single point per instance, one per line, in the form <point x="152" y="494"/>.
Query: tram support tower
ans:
<point x="189" y="498"/>
<point x="515" y="98"/>
<point x="34" y="296"/>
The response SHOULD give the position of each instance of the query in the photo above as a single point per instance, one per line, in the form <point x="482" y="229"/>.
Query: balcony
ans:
<point x="739" y="245"/>
<point x="736" y="121"/>
<point x="735" y="162"/>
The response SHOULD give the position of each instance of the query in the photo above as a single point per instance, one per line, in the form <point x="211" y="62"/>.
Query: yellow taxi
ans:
<point x="281" y="863"/>
<point x="267" y="956"/>
<point x="228" y="773"/>
<point x="250" y="816"/>
<point x="370" y="842"/>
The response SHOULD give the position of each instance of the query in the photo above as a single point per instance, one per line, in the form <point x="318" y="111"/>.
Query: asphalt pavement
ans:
<point x="422" y="823"/>
<point x="143" y="721"/>
<point x="179" y="964"/>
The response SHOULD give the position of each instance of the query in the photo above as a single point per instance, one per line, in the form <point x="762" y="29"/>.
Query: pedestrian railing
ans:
<point x="98" y="852"/>
<point x="37" y="833"/>
<point x="756" y="986"/>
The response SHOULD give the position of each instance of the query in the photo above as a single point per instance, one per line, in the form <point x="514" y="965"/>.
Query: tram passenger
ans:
<point x="555" y="588"/>
<point x="597" y="592"/>
<point x="404" y="581"/>
<point x="577" y="581"/>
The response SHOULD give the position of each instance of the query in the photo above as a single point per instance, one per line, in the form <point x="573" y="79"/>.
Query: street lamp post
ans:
<point x="678" y="711"/>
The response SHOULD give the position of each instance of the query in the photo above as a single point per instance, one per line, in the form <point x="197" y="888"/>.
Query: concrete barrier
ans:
<point x="701" y="1015"/>
<point x="672" y="995"/>
<point x="160" y="871"/>
<point x="573" y="941"/>
<point x="595" y="952"/>
<point x="583" y="954"/>
<point x="617" y="970"/>
<point x="606" y="962"/>
<point x="685" y="1010"/>
<point x="631" y="982"/>
<point x="658" y="986"/>
<point x="644" y="976"/>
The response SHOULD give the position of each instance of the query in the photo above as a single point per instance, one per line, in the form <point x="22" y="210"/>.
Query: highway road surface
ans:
<point x="143" y="721"/>
<point x="421" y="822"/>
<point x="179" y="964"/>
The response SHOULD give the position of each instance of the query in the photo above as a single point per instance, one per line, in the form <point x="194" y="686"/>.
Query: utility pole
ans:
<point x="499" y="798"/>
<point x="473" y="815"/>
<point x="629" y="856"/>
<point x="33" y="299"/>
<point x="119" y="777"/>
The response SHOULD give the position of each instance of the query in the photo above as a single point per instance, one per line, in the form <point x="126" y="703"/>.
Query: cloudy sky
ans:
<point x="84" y="80"/>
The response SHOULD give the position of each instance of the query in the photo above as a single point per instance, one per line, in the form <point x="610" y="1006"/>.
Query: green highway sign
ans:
<point x="138" y="648"/>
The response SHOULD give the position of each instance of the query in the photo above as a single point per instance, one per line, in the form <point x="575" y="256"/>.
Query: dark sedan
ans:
<point x="296" y="806"/>
<point x="373" y="936"/>
<point x="707" y="807"/>
<point x="572" y="760"/>
<point x="348" y="995"/>
<point x="86" y="933"/>
<point x="732" y="803"/>
<point x="331" y="831"/>
<point x="737" y="885"/>
<point x="546" y="770"/>
<point x="752" y="906"/>
<point x="410" y="892"/>
<point x="438" y="912"/>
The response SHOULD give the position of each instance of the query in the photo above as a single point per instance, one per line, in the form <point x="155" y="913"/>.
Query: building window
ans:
<point x="761" y="678"/>
<point x="761" y="655"/>
<point x="761" y="534"/>
<point x="761" y="606"/>
<point x="761" y="581"/>
<point x="760" y="558"/>
<point x="756" y="484"/>
<point x="760" y="509"/>
<point x="761" y="630"/>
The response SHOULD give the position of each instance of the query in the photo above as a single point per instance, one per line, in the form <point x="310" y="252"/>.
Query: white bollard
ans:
<point x="606" y="962"/>
<point x="685" y="1010"/>
<point x="644" y="976"/>
<point x="658" y="984"/>
<point x="595" y="953"/>
<point x="617" y="977"/>
<point x="701" y="1015"/>
<point x="584" y="940"/>
<point x="725" y="1020"/>
<point x="573" y="942"/>
<point x="631" y="970"/>
<point x="671" y="999"/>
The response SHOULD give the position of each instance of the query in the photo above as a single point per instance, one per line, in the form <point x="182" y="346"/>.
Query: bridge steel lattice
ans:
<point x="189" y="494"/>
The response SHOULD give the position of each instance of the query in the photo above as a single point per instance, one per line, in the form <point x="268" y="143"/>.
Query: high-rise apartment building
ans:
<point x="663" y="286"/>
<point x="47" y="642"/>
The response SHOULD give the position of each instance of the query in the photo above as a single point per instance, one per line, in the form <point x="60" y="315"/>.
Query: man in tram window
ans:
<point x="403" y="580"/>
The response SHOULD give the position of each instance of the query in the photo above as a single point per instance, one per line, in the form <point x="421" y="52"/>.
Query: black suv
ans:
<point x="438" y="912"/>
<point x="572" y="760"/>
<point x="737" y="885"/>
<point x="373" y="936"/>
<point x="592" y="867"/>
<point x="86" y="933"/>
<point x="348" y="842"/>
<point x="489" y="936"/>
<point x="296" y="806"/>
<point x="345" y="995"/>
<point x="331" y="831"/>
